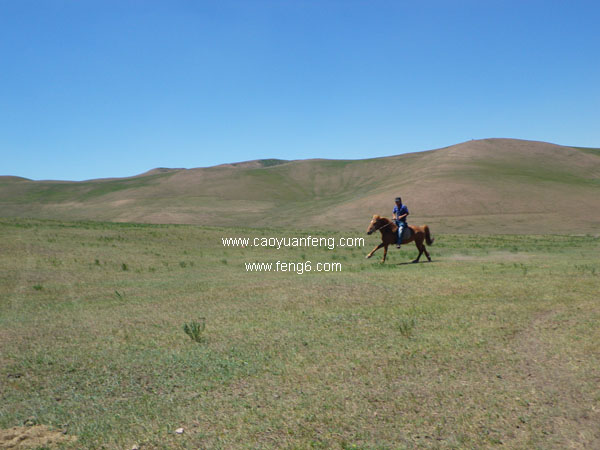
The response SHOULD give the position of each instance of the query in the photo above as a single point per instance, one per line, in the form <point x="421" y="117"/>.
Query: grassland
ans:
<point x="495" y="342"/>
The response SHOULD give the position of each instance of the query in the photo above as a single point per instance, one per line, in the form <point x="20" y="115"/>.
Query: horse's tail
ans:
<point x="428" y="237"/>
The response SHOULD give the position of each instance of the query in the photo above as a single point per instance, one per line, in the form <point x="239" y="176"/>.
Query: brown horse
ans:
<point x="389" y="236"/>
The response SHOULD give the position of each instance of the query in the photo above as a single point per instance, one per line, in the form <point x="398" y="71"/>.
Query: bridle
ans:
<point x="382" y="227"/>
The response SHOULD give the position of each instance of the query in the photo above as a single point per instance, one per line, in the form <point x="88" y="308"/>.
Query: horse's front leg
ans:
<point x="384" y="254"/>
<point x="374" y="250"/>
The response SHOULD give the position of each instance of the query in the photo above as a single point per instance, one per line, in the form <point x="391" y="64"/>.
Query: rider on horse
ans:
<point x="399" y="215"/>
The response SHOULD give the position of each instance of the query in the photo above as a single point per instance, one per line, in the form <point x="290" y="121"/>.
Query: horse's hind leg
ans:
<point x="426" y="253"/>
<point x="420" y="247"/>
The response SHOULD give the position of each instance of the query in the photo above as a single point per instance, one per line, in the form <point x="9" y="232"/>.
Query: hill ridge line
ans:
<point x="459" y="188"/>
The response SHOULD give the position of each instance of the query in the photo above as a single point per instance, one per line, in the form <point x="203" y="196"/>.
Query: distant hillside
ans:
<point x="491" y="185"/>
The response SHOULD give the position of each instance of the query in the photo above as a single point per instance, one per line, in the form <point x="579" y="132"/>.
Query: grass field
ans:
<point x="495" y="342"/>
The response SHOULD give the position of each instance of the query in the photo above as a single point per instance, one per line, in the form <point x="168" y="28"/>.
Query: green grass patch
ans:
<point x="591" y="151"/>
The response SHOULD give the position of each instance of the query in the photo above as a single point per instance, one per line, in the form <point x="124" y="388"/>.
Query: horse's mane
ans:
<point x="387" y="221"/>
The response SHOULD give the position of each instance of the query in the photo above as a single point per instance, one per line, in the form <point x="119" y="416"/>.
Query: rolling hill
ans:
<point x="490" y="186"/>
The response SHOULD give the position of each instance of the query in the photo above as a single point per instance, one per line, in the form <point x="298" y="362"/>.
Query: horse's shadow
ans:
<point x="410" y="263"/>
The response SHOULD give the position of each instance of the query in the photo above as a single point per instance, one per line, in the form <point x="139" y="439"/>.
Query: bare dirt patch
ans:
<point x="559" y="395"/>
<point x="491" y="257"/>
<point x="32" y="437"/>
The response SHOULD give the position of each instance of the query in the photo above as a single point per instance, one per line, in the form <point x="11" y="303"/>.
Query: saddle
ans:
<point x="407" y="233"/>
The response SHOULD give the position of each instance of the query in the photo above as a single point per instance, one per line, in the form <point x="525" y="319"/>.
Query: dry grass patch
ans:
<point x="36" y="436"/>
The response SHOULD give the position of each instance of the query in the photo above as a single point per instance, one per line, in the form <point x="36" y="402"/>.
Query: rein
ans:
<point x="381" y="228"/>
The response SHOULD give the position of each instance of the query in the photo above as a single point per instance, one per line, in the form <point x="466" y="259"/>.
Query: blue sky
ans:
<point x="92" y="89"/>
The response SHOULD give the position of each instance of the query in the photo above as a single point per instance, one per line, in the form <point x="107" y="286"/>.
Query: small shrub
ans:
<point x="406" y="326"/>
<point x="38" y="287"/>
<point x="124" y="267"/>
<point x="195" y="330"/>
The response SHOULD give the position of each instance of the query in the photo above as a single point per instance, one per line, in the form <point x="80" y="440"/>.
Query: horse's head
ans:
<point x="376" y="224"/>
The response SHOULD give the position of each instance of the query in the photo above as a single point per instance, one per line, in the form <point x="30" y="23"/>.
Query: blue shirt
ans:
<point x="400" y="211"/>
